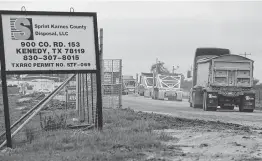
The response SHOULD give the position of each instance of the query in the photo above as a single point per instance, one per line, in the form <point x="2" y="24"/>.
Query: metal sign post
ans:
<point x="48" y="43"/>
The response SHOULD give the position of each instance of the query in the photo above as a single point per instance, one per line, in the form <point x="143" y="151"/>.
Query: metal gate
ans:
<point x="112" y="83"/>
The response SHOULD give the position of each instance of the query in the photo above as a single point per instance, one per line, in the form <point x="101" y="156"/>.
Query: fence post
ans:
<point x="77" y="95"/>
<point x="121" y="84"/>
<point x="4" y="90"/>
<point x="102" y="63"/>
<point x="259" y="96"/>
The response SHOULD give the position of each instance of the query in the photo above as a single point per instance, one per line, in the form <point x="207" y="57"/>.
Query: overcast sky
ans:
<point x="139" y="32"/>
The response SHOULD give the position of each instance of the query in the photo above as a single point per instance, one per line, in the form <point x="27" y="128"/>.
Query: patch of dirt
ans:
<point x="205" y="140"/>
<point x="196" y="124"/>
<point x="213" y="145"/>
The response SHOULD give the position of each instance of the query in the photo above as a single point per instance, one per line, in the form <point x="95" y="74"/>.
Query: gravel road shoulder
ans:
<point x="208" y="140"/>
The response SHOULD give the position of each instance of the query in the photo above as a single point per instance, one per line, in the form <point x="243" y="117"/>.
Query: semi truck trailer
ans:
<point x="222" y="79"/>
<point x="167" y="86"/>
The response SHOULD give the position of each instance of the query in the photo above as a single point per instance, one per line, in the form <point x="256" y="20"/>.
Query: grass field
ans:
<point x="125" y="135"/>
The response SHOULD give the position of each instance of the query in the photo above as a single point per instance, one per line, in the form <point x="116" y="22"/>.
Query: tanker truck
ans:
<point x="221" y="79"/>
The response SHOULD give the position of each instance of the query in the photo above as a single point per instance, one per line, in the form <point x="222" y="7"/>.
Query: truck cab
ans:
<point x="145" y="87"/>
<point x="129" y="85"/>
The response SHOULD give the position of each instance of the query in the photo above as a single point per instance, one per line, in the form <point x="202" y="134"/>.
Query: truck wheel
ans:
<point x="204" y="101"/>
<point x="193" y="102"/>
<point x="241" y="107"/>
<point x="193" y="105"/>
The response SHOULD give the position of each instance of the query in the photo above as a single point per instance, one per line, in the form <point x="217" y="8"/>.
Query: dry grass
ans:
<point x="125" y="136"/>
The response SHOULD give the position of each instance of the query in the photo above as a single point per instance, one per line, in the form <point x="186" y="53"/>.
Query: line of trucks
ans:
<point x="156" y="86"/>
<point x="221" y="79"/>
<point x="161" y="86"/>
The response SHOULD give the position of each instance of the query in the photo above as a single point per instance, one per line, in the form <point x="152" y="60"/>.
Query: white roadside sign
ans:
<point x="48" y="42"/>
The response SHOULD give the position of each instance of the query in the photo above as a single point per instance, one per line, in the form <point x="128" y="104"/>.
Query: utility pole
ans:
<point x="245" y="54"/>
<point x="173" y="70"/>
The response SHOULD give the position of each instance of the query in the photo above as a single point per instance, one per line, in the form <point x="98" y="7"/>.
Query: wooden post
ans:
<point x="99" y="101"/>
<point x="77" y="103"/>
<point x="102" y="61"/>
<point x="4" y="89"/>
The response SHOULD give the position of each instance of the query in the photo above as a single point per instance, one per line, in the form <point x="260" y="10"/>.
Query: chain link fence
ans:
<point x="112" y="83"/>
<point x="62" y="112"/>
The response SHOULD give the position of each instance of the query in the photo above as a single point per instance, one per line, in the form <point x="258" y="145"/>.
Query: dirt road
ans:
<point x="207" y="141"/>
<point x="182" y="109"/>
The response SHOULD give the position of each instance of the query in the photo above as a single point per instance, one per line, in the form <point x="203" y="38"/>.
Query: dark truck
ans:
<point x="221" y="79"/>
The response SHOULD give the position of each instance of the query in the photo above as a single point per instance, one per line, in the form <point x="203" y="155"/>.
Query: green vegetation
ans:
<point x="126" y="135"/>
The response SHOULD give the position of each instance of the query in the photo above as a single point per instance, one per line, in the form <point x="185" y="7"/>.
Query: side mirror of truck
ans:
<point x="189" y="74"/>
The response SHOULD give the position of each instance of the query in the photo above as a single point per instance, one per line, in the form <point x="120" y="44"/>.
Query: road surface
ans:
<point x="183" y="110"/>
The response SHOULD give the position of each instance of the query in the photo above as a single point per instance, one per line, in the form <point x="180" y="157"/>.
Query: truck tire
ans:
<point x="193" y="105"/>
<point x="193" y="101"/>
<point x="190" y="103"/>
<point x="241" y="107"/>
<point x="205" y="101"/>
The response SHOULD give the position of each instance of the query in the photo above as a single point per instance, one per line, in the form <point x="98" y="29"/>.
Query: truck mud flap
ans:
<point x="197" y="98"/>
<point x="247" y="102"/>
<point x="212" y="99"/>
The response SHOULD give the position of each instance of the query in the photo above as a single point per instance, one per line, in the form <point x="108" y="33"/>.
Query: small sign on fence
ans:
<point x="71" y="91"/>
<point x="71" y="94"/>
